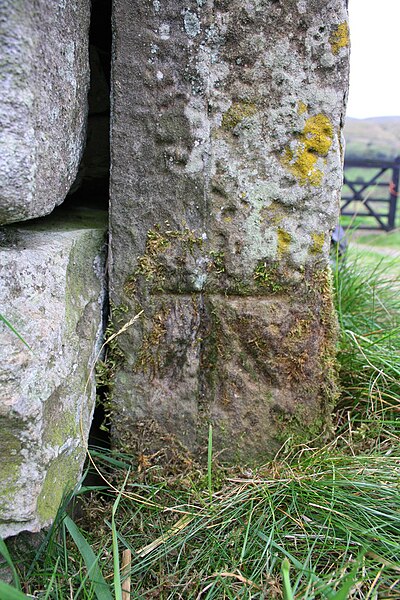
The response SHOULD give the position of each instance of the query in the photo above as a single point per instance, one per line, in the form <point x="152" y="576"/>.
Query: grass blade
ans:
<point x="9" y="593"/>
<point x="287" y="588"/>
<point x="19" y="336"/>
<point x="209" y="461"/>
<point x="95" y="575"/>
<point x="349" y="581"/>
<point x="117" y="574"/>
<point x="53" y="576"/>
<point x="4" y="551"/>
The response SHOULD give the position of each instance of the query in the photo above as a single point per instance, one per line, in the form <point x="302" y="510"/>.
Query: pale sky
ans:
<point x="375" y="58"/>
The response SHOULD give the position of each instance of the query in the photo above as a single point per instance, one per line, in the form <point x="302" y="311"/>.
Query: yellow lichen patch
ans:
<point x="318" y="243"/>
<point x="302" y="108"/>
<point x="284" y="239"/>
<point x="318" y="133"/>
<point x="314" y="142"/>
<point x="236" y="113"/>
<point x="340" y="38"/>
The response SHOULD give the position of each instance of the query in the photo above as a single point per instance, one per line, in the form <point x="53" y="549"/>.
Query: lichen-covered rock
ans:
<point x="52" y="292"/>
<point x="225" y="184"/>
<point x="44" y="81"/>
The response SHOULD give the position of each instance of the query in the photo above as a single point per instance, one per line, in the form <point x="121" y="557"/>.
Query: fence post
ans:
<point x="394" y="189"/>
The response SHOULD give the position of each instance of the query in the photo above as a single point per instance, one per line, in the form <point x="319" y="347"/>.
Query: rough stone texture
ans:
<point x="52" y="292"/>
<point x="226" y="172"/>
<point x="44" y="81"/>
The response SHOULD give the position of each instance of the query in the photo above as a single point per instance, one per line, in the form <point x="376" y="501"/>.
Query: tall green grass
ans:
<point x="368" y="307"/>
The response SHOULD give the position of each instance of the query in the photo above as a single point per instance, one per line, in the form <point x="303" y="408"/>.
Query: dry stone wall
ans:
<point x="226" y="157"/>
<point x="52" y="268"/>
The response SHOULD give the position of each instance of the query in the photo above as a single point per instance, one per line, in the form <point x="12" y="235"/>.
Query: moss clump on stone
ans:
<point x="266" y="276"/>
<point x="299" y="427"/>
<point x="340" y="38"/>
<point x="60" y="425"/>
<point x="236" y="113"/>
<point x="318" y="243"/>
<point x="313" y="143"/>
<point x="322" y="281"/>
<point x="217" y="262"/>
<point x="237" y="287"/>
<point x="11" y="446"/>
<point x="161" y="243"/>
<point x="113" y="360"/>
<point x="61" y="475"/>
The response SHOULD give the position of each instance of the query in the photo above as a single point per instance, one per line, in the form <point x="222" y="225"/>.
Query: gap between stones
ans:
<point x="94" y="187"/>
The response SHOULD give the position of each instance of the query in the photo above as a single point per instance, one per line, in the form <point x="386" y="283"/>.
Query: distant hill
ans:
<point x="377" y="137"/>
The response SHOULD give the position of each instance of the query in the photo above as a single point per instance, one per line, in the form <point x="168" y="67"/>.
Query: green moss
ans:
<point x="218" y="262"/>
<point x="81" y="276"/>
<point x="284" y="239"/>
<point x="162" y="243"/>
<point x="301" y="329"/>
<point x="314" y="142"/>
<point x="61" y="476"/>
<point x="300" y="427"/>
<point x="266" y="276"/>
<point x="236" y="113"/>
<point x="238" y="288"/>
<point x="340" y="38"/>
<point x="318" y="243"/>
<point x="113" y="360"/>
<point x="10" y="451"/>
<point x="322" y="281"/>
<point x="59" y="424"/>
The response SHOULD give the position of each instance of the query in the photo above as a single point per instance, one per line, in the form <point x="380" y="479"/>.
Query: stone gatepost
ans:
<point x="225" y="180"/>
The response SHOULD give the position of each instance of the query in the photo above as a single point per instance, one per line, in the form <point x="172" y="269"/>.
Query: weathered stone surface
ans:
<point x="52" y="292"/>
<point x="225" y="182"/>
<point x="44" y="81"/>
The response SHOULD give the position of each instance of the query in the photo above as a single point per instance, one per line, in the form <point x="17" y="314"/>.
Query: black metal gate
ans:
<point x="370" y="195"/>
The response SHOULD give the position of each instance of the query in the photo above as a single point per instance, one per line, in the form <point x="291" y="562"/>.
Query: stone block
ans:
<point x="52" y="291"/>
<point x="225" y="181"/>
<point x="156" y="387"/>
<point x="44" y="83"/>
<point x="259" y="369"/>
